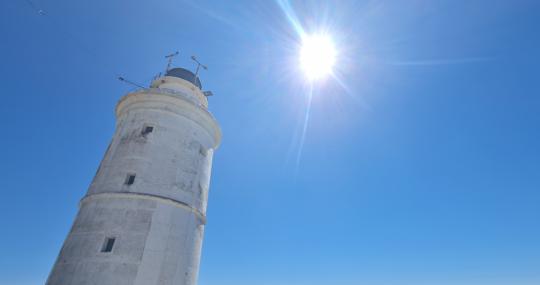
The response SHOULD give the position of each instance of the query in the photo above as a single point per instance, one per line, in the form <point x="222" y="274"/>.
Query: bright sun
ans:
<point x="317" y="56"/>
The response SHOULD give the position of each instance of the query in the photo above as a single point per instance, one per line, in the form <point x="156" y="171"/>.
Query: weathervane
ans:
<point x="169" y="60"/>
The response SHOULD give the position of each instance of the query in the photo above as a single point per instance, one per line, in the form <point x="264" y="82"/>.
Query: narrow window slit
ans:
<point x="147" y="129"/>
<point x="130" y="179"/>
<point x="108" y="244"/>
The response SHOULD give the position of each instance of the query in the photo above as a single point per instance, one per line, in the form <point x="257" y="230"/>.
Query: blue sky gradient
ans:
<point x="420" y="162"/>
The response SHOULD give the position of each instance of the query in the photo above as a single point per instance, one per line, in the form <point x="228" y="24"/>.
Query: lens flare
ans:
<point x="317" y="56"/>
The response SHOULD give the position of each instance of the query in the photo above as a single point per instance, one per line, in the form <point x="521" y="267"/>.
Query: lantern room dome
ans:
<point x="184" y="74"/>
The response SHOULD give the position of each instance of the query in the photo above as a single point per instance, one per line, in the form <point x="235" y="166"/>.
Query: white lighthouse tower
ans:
<point x="142" y="219"/>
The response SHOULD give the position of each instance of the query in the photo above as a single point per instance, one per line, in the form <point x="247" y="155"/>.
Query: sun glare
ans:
<point x="317" y="56"/>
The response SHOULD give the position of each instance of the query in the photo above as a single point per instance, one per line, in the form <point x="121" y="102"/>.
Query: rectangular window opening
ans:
<point x="147" y="129"/>
<point x="108" y="244"/>
<point x="130" y="179"/>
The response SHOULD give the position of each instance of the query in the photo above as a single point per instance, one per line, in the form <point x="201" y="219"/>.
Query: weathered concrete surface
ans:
<point x="158" y="221"/>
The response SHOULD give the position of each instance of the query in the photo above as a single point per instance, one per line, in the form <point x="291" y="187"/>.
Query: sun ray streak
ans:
<point x="350" y="93"/>
<point x="291" y="16"/>
<point x="304" y="128"/>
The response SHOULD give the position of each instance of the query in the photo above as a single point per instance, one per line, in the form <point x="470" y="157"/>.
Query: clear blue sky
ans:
<point x="420" y="167"/>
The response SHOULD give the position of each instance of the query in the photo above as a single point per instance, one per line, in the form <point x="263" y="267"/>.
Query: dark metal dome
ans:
<point x="184" y="74"/>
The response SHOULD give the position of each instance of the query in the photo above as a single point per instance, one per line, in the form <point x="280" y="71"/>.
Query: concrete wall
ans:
<point x="158" y="221"/>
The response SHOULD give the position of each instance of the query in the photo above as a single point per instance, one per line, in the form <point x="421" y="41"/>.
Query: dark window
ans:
<point x="203" y="151"/>
<point x="130" y="179"/>
<point x="108" y="244"/>
<point x="147" y="129"/>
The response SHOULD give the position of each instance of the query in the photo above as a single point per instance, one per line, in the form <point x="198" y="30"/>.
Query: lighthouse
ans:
<point x="142" y="219"/>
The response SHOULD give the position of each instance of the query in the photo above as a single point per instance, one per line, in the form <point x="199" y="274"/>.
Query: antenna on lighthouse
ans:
<point x="130" y="82"/>
<point x="169" y="60"/>
<point x="199" y="65"/>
